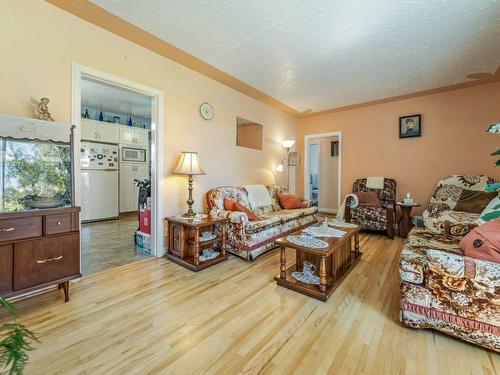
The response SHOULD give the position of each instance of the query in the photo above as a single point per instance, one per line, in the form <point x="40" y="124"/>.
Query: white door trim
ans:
<point x="306" y="162"/>
<point x="157" y="126"/>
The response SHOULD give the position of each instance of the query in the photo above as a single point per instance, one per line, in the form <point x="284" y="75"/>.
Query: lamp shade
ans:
<point x="287" y="143"/>
<point x="189" y="164"/>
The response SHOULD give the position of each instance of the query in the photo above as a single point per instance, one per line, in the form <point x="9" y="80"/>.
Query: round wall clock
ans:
<point x="206" y="111"/>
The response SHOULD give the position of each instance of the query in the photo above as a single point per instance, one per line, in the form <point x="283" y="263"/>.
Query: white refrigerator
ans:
<point x="99" y="181"/>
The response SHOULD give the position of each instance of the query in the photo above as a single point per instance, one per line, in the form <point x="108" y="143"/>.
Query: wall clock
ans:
<point x="206" y="111"/>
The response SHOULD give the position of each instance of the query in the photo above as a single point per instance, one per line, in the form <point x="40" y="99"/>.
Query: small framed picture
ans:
<point x="410" y="126"/>
<point x="334" y="148"/>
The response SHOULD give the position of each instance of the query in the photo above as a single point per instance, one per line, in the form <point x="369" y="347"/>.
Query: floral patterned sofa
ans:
<point x="445" y="198"/>
<point x="249" y="239"/>
<point x="444" y="290"/>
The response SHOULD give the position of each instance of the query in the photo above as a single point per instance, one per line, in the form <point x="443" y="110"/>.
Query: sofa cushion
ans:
<point x="491" y="211"/>
<point x="369" y="213"/>
<point x="483" y="242"/>
<point x="473" y="201"/>
<point x="258" y="196"/>
<point x="231" y="205"/>
<point x="290" y="201"/>
<point x="234" y="193"/>
<point x="266" y="221"/>
<point x="435" y="221"/>
<point x="368" y="198"/>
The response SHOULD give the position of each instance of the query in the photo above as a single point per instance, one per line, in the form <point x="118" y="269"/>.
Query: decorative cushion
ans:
<point x="368" y="198"/>
<point x="290" y="201"/>
<point x="473" y="201"/>
<point x="491" y="212"/>
<point x="258" y="196"/>
<point x="483" y="242"/>
<point x="235" y="206"/>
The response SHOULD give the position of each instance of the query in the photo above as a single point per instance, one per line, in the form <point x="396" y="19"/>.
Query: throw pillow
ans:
<point x="235" y="206"/>
<point x="473" y="201"/>
<point x="491" y="212"/>
<point x="290" y="201"/>
<point x="368" y="198"/>
<point x="483" y="242"/>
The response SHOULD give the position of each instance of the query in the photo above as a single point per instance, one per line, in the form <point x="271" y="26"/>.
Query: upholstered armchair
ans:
<point x="374" y="217"/>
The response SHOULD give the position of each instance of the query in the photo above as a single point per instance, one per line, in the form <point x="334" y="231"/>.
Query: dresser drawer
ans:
<point x="20" y="228"/>
<point x="55" y="224"/>
<point x="45" y="260"/>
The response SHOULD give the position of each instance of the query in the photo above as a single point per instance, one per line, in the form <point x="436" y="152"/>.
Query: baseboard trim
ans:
<point x="328" y="210"/>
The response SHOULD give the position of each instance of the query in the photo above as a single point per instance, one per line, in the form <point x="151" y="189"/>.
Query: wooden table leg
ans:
<point x="223" y="250"/>
<point x="196" y="255"/>
<point x="65" y="286"/>
<point x="283" y="263"/>
<point x="356" y="244"/>
<point x="322" y="274"/>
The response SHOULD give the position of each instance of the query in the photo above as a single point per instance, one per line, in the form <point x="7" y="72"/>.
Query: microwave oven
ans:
<point x="137" y="155"/>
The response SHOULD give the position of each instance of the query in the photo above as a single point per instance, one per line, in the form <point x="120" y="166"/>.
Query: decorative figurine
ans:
<point x="41" y="109"/>
<point x="129" y="122"/>
<point x="101" y="116"/>
<point x="86" y="114"/>
<point x="408" y="200"/>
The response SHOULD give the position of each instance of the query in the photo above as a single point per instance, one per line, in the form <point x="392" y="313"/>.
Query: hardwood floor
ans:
<point x="109" y="244"/>
<point x="155" y="317"/>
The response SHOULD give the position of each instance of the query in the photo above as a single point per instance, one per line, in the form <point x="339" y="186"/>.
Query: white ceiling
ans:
<point x="329" y="53"/>
<point x="109" y="98"/>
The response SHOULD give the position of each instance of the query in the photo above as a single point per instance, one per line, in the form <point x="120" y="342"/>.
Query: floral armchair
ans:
<point x="439" y="217"/>
<point x="371" y="217"/>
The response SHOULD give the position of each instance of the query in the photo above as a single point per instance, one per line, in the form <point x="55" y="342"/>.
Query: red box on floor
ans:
<point x="145" y="221"/>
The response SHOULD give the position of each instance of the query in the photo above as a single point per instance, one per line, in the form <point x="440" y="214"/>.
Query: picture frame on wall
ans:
<point x="410" y="126"/>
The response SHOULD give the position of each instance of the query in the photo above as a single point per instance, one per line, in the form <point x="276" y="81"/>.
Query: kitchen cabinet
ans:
<point x="134" y="136"/>
<point x="93" y="130"/>
<point x="129" y="193"/>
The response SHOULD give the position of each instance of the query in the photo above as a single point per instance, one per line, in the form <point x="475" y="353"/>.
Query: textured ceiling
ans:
<point x="110" y="98"/>
<point x="329" y="53"/>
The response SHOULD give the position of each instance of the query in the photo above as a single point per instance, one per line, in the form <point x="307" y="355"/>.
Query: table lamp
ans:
<point x="189" y="165"/>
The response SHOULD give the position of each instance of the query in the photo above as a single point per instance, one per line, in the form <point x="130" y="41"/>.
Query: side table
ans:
<point x="405" y="224"/>
<point x="185" y="245"/>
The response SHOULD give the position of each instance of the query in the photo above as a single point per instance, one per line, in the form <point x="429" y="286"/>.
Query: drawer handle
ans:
<point x="59" y="223"/>
<point x="7" y="229"/>
<point x="49" y="260"/>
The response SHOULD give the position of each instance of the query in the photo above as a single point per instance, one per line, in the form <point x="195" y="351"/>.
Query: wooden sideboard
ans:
<point x="39" y="249"/>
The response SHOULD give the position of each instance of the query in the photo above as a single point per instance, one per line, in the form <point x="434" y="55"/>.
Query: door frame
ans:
<point x="306" y="163"/>
<point x="157" y="128"/>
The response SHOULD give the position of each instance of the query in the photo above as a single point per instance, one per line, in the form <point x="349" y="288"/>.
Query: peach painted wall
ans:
<point x="39" y="43"/>
<point x="454" y="140"/>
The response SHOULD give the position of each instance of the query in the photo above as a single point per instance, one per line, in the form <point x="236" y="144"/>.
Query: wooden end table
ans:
<point x="333" y="262"/>
<point x="184" y="245"/>
<point x="405" y="224"/>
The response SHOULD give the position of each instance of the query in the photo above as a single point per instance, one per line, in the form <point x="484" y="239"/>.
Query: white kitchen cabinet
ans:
<point x="134" y="136"/>
<point x="129" y="193"/>
<point x="93" y="130"/>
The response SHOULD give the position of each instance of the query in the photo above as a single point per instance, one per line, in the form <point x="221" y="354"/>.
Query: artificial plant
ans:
<point x="495" y="214"/>
<point x="15" y="343"/>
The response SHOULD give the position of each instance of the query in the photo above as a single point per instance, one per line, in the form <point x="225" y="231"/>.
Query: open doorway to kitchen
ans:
<point x="118" y="126"/>
<point x="322" y="167"/>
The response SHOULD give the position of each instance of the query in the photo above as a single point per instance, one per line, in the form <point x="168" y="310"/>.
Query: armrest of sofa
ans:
<point x="347" y="209"/>
<point x="234" y="217"/>
<point x="307" y="202"/>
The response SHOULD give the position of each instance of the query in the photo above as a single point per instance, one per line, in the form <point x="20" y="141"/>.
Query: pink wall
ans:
<point x="454" y="140"/>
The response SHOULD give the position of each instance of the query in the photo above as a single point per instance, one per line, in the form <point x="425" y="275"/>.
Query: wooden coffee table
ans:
<point x="333" y="262"/>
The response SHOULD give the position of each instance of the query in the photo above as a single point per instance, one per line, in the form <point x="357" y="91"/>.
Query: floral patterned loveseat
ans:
<point x="440" y="213"/>
<point x="249" y="239"/>
<point x="444" y="290"/>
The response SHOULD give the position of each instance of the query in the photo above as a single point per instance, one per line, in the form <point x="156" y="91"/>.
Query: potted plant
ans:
<point x="15" y="343"/>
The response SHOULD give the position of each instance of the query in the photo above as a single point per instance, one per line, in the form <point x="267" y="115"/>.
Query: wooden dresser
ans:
<point x="38" y="249"/>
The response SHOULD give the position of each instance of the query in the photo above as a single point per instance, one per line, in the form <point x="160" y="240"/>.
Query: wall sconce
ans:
<point x="279" y="167"/>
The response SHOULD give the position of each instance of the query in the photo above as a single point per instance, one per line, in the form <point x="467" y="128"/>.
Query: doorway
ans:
<point x="322" y="170"/>
<point x="118" y="127"/>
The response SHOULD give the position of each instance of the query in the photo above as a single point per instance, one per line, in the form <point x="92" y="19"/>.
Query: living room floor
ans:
<point x="109" y="244"/>
<point x="155" y="317"/>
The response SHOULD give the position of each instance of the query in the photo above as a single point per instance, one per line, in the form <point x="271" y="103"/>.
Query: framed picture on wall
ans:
<point x="410" y="126"/>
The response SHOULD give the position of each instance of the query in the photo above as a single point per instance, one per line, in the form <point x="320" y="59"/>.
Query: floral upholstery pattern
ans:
<point x="249" y="239"/>
<point x="445" y="198"/>
<point x="375" y="218"/>
<point x="444" y="290"/>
